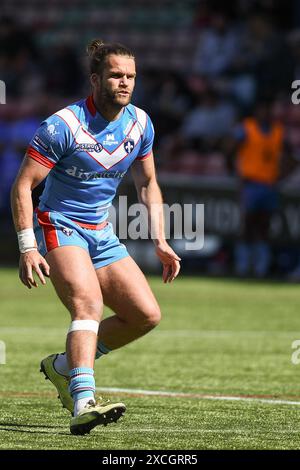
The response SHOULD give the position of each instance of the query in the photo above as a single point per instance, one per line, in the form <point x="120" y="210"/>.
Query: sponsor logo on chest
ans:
<point x="93" y="175"/>
<point x="90" y="147"/>
<point x="110" y="140"/>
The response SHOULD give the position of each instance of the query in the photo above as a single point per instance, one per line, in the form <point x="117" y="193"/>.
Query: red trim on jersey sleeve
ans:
<point x="38" y="157"/>
<point x="144" y="157"/>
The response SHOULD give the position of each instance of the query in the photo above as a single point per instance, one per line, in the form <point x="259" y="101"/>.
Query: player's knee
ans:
<point x="86" y="308"/>
<point x="152" y="317"/>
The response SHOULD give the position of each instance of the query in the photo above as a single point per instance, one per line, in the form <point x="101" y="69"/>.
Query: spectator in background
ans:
<point x="211" y="119"/>
<point x="168" y="97"/>
<point x="172" y="103"/>
<point x="217" y="47"/>
<point x="258" y="143"/>
<point x="263" y="52"/>
<point x="195" y="147"/>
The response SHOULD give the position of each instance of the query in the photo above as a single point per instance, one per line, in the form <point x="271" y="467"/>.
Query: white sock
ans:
<point x="80" y="404"/>
<point x="61" y="364"/>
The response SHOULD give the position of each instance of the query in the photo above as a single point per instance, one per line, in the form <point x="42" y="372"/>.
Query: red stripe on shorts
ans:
<point x="91" y="226"/>
<point x="49" y="230"/>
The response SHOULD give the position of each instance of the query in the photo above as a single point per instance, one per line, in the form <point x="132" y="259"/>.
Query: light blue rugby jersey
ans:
<point x="88" y="157"/>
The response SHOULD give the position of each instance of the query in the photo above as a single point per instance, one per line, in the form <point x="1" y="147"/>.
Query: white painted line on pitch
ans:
<point x="32" y="329"/>
<point x="196" y="395"/>
<point x="213" y="333"/>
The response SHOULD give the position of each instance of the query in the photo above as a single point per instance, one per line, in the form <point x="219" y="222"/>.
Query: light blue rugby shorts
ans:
<point x="53" y="229"/>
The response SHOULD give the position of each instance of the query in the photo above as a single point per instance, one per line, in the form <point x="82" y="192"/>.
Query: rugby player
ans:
<point x="83" y="151"/>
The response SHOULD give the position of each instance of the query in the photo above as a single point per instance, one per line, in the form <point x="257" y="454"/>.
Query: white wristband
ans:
<point x="26" y="240"/>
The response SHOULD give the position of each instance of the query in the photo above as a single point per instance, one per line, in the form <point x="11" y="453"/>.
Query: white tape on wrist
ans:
<point x="84" y="325"/>
<point x="26" y="240"/>
<point x="28" y="249"/>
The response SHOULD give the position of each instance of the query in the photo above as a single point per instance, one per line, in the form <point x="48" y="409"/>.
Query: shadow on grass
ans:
<point x="39" y="429"/>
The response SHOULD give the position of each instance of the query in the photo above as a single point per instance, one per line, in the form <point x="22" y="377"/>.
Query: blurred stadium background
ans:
<point x="202" y="67"/>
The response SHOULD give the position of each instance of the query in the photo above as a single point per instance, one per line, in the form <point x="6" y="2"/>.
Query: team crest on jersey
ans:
<point x="67" y="231"/>
<point x="51" y="129"/>
<point x="49" y="133"/>
<point x="129" y="145"/>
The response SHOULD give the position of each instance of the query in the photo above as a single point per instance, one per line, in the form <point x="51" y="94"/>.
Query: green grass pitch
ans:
<point x="217" y="338"/>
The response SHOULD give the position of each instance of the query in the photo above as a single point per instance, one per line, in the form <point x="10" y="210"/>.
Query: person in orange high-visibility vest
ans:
<point x="260" y="142"/>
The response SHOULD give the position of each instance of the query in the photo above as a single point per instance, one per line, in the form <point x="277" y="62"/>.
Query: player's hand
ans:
<point x="29" y="262"/>
<point x="169" y="260"/>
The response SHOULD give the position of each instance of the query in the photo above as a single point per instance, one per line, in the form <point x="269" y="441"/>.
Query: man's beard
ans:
<point x="113" y="100"/>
